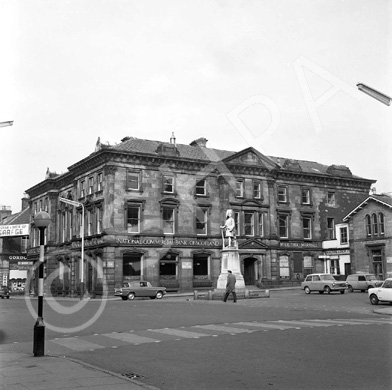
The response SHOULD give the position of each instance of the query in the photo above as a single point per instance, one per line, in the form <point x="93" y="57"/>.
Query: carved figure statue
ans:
<point x="229" y="228"/>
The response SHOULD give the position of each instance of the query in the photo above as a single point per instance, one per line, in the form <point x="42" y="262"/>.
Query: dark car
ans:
<point x="131" y="290"/>
<point x="4" y="292"/>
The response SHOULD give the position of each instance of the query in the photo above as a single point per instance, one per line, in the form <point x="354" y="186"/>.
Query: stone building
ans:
<point x="153" y="210"/>
<point x="15" y="270"/>
<point x="370" y="226"/>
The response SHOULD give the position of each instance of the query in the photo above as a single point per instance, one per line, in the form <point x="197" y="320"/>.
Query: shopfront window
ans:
<point x="132" y="266"/>
<point x="200" y="266"/>
<point x="168" y="267"/>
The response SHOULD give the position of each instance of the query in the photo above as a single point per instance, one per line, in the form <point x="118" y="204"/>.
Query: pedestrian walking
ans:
<point x="230" y="287"/>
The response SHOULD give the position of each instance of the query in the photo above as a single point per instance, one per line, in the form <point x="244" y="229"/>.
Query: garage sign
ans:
<point x="14" y="230"/>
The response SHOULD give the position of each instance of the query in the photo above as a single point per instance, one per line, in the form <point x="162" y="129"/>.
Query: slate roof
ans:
<point x="386" y="200"/>
<point x="186" y="151"/>
<point x="21" y="218"/>
<point x="138" y="145"/>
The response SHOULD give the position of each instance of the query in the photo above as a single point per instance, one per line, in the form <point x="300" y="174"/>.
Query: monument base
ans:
<point x="230" y="261"/>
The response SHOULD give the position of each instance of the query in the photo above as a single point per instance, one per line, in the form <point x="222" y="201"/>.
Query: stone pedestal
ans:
<point x="230" y="261"/>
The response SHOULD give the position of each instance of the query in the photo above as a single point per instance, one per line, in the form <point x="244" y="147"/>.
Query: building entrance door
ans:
<point x="249" y="271"/>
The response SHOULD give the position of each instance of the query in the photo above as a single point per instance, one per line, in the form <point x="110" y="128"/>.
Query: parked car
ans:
<point x="4" y="292"/>
<point x="381" y="294"/>
<point x="131" y="290"/>
<point x="323" y="283"/>
<point x="362" y="282"/>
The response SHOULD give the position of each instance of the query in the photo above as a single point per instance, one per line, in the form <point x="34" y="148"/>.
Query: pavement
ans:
<point x="24" y="371"/>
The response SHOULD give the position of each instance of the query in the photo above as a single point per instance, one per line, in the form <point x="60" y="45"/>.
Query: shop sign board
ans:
<point x="186" y="265"/>
<point x="170" y="242"/>
<point x="14" y="230"/>
<point x="338" y="252"/>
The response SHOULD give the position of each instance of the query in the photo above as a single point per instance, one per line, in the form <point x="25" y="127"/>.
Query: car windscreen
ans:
<point x="327" y="277"/>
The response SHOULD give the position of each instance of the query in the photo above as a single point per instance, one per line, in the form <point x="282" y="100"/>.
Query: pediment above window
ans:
<point x="252" y="243"/>
<point x="252" y="157"/>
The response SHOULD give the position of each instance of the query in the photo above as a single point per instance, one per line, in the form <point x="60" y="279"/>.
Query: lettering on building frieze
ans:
<point x="169" y="242"/>
<point x="299" y="245"/>
<point x="92" y="242"/>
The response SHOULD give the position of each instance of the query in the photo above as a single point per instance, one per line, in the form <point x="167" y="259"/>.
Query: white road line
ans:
<point x="266" y="325"/>
<point x="302" y="323"/>
<point x="179" y="332"/>
<point x="130" y="338"/>
<point x="76" y="344"/>
<point x="225" y="329"/>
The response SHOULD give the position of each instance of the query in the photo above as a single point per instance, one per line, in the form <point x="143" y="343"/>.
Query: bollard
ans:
<point x="209" y="295"/>
<point x="195" y="295"/>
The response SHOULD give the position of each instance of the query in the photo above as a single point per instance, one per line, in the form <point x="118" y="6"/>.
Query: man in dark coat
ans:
<point x="230" y="287"/>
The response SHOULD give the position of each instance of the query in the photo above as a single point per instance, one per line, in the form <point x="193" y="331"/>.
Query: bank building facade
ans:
<point x="153" y="211"/>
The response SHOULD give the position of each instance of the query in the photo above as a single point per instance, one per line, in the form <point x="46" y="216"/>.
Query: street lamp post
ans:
<point x="8" y="123"/>
<point x="41" y="221"/>
<point x="81" y="265"/>
<point x="381" y="97"/>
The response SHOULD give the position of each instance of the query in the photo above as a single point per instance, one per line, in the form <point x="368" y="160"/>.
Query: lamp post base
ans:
<point x="39" y="337"/>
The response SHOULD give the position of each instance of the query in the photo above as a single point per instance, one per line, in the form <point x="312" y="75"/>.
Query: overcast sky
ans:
<point x="276" y="75"/>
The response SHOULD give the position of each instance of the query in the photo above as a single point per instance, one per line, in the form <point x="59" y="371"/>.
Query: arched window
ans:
<point x="381" y="223"/>
<point x="368" y="225"/>
<point x="375" y="224"/>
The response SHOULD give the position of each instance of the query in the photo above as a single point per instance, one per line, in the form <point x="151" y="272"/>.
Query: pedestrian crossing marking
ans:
<point x="131" y="338"/>
<point x="117" y="339"/>
<point x="273" y="325"/>
<point x="343" y="322"/>
<point x="76" y="344"/>
<point x="374" y="320"/>
<point x="179" y="332"/>
<point x="225" y="329"/>
<point x="304" y="323"/>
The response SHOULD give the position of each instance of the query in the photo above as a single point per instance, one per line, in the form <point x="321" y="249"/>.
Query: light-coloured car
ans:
<point x="323" y="283"/>
<point x="362" y="282"/>
<point x="381" y="294"/>
<point x="140" y="288"/>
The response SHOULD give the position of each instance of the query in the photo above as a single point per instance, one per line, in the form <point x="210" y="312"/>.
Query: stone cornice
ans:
<point x="104" y="156"/>
<point x="318" y="179"/>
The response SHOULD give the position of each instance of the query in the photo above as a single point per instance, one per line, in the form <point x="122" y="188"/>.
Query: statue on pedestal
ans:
<point x="229" y="228"/>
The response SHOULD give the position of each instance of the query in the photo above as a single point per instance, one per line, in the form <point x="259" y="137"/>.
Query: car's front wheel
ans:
<point x="159" y="295"/>
<point x="341" y="291"/>
<point x="131" y="296"/>
<point x="307" y="290"/>
<point x="124" y="298"/>
<point x="327" y="289"/>
<point x="373" y="299"/>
